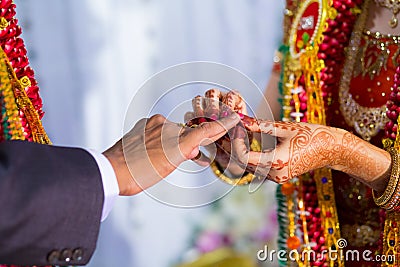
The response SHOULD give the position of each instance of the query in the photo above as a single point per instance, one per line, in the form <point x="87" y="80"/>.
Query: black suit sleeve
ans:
<point x="51" y="199"/>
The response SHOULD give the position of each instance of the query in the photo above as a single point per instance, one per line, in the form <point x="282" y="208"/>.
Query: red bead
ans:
<point x="350" y="3"/>
<point x="293" y="242"/>
<point x="336" y="4"/>
<point x="398" y="96"/>
<point x="316" y="234"/>
<point x="334" y="42"/>
<point x="392" y="96"/>
<point x="317" y="263"/>
<point x="287" y="189"/>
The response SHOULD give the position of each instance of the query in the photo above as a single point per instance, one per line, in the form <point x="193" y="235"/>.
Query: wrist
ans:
<point x="126" y="183"/>
<point x="380" y="183"/>
<point x="361" y="160"/>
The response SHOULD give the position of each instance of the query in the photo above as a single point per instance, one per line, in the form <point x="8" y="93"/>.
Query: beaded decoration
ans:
<point x="20" y="103"/>
<point x="17" y="73"/>
<point x="296" y="106"/>
<point x="309" y="76"/>
<point x="391" y="233"/>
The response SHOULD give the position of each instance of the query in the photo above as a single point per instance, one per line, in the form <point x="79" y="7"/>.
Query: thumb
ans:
<point x="210" y="132"/>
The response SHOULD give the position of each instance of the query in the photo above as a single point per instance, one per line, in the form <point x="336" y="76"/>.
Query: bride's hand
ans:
<point x="213" y="106"/>
<point x="304" y="147"/>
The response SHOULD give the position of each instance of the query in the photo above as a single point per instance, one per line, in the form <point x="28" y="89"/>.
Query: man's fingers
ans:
<point x="201" y="159"/>
<point x="209" y="132"/>
<point x="155" y="120"/>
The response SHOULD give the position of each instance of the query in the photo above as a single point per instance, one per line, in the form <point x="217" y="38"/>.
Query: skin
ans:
<point x="303" y="147"/>
<point x="216" y="104"/>
<point x="155" y="147"/>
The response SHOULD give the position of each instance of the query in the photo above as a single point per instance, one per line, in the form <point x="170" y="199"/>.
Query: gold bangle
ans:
<point x="219" y="172"/>
<point x="243" y="180"/>
<point x="393" y="204"/>
<point x="384" y="200"/>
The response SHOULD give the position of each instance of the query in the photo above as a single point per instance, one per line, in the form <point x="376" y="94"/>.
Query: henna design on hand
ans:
<point x="306" y="147"/>
<point x="361" y="159"/>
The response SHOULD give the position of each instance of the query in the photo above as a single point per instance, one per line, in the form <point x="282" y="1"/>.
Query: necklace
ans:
<point x="394" y="6"/>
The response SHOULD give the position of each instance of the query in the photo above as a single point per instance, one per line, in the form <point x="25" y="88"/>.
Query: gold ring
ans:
<point x="198" y="156"/>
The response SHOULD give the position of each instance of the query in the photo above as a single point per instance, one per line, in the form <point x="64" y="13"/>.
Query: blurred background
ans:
<point x="91" y="56"/>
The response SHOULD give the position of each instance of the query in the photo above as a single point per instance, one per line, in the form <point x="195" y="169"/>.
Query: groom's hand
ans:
<point x="155" y="147"/>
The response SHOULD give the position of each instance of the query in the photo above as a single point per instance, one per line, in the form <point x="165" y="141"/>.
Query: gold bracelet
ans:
<point x="393" y="204"/>
<point x="384" y="200"/>
<point x="243" y="180"/>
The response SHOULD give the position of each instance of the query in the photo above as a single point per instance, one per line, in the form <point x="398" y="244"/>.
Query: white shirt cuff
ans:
<point x="110" y="184"/>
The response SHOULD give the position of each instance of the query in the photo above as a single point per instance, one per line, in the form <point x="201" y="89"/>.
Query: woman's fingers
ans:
<point x="241" y="151"/>
<point x="268" y="163"/>
<point x="189" y="116"/>
<point x="234" y="101"/>
<point x="197" y="104"/>
<point x="275" y="128"/>
<point x="212" y="103"/>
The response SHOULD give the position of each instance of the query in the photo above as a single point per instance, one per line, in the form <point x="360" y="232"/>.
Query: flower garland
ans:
<point x="20" y="103"/>
<point x="393" y="110"/>
<point x="14" y="48"/>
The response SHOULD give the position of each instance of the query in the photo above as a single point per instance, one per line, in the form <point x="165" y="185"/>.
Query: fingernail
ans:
<point x="214" y="117"/>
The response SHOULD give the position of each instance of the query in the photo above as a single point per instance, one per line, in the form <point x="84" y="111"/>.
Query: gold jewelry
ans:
<point x="219" y="172"/>
<point x="366" y="121"/>
<point x="198" y="156"/>
<point x="16" y="100"/>
<point x="245" y="179"/>
<point x="373" y="65"/>
<point x="394" y="6"/>
<point x="390" y="242"/>
<point x="384" y="200"/>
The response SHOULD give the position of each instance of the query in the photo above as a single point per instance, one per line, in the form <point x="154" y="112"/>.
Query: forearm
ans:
<point x="362" y="160"/>
<point x="316" y="146"/>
